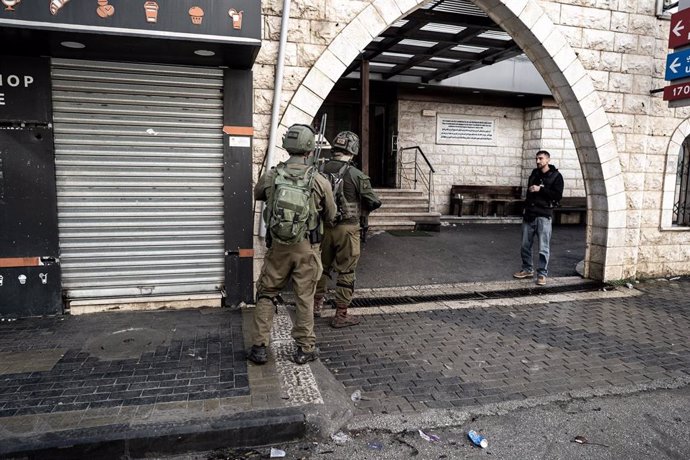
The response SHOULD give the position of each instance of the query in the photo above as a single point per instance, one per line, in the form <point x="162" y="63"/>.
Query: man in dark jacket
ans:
<point x="544" y="191"/>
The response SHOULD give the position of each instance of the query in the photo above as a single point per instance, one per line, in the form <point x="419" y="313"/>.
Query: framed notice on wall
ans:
<point x="465" y="130"/>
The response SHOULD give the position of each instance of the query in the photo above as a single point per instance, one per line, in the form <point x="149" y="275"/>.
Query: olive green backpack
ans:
<point x="290" y="211"/>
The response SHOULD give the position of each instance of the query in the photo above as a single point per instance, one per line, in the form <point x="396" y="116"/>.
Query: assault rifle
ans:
<point x="319" y="139"/>
<point x="363" y="227"/>
<point x="316" y="234"/>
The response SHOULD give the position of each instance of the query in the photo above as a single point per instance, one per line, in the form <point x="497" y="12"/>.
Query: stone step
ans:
<point x="413" y="216"/>
<point x="413" y="207"/>
<point x="403" y="209"/>
<point x="400" y="193"/>
<point x="392" y="225"/>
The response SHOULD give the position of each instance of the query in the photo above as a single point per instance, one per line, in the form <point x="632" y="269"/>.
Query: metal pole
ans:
<point x="277" y="90"/>
<point x="364" y="129"/>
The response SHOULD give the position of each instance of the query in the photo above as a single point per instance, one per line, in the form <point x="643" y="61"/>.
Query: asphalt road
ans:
<point x="645" y="425"/>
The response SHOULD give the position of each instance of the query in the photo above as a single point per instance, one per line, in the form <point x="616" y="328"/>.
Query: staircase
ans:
<point x="404" y="210"/>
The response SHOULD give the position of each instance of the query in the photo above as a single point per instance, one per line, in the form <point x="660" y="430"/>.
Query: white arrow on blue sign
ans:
<point x="678" y="65"/>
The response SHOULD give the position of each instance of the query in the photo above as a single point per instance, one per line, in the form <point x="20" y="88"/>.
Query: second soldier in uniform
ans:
<point x="340" y="248"/>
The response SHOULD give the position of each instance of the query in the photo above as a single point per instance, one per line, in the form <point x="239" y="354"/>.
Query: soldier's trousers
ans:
<point x="300" y="263"/>
<point x="340" y="252"/>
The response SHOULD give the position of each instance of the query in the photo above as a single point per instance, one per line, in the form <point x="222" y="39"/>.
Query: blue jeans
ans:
<point x="541" y="227"/>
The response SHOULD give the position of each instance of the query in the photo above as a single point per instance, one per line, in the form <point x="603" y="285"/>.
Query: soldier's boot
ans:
<point x="257" y="354"/>
<point x="318" y="305"/>
<point x="342" y="319"/>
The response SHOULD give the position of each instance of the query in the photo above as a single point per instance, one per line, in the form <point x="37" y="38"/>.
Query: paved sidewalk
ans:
<point x="113" y="384"/>
<point x="134" y="382"/>
<point x="461" y="355"/>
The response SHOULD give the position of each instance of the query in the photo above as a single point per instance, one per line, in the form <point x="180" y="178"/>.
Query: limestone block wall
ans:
<point x="467" y="164"/>
<point x="623" y="47"/>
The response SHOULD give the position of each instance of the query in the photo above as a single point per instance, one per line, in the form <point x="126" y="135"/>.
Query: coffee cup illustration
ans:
<point x="236" y="18"/>
<point x="151" y="9"/>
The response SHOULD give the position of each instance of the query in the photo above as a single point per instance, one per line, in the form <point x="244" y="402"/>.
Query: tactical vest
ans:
<point x="347" y="210"/>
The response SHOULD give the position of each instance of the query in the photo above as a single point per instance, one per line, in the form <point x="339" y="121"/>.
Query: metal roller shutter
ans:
<point x="139" y="165"/>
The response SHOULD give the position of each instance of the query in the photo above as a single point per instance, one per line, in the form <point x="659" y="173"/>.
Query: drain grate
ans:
<point x="477" y="295"/>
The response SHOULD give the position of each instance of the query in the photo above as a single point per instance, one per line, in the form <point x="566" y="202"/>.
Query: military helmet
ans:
<point x="346" y="141"/>
<point x="299" y="139"/>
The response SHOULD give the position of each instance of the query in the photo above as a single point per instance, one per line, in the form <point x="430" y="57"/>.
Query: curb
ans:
<point x="127" y="441"/>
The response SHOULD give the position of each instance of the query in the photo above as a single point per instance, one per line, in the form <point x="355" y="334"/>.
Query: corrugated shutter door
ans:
<point x="139" y="165"/>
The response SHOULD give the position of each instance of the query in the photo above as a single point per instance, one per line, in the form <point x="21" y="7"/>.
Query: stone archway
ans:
<point x="567" y="79"/>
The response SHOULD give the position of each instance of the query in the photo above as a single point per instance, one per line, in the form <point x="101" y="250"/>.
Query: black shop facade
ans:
<point x="125" y="154"/>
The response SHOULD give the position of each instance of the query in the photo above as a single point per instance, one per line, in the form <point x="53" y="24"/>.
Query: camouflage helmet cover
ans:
<point x="299" y="139"/>
<point x="346" y="141"/>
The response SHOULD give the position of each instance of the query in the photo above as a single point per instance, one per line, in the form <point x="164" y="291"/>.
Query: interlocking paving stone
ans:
<point x="187" y="366"/>
<point x="444" y="357"/>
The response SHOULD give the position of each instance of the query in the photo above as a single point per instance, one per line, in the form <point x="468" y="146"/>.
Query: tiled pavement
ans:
<point x="115" y="360"/>
<point x="462" y="356"/>
<point x="111" y="380"/>
<point x="142" y="376"/>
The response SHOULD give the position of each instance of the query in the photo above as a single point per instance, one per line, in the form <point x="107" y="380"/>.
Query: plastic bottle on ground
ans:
<point x="477" y="439"/>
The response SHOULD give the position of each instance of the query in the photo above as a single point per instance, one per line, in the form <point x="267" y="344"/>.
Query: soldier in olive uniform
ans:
<point x="298" y="259"/>
<point x="340" y="248"/>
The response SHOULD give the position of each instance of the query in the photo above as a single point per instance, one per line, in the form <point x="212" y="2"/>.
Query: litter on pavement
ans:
<point x="429" y="437"/>
<point x="277" y="453"/>
<point x="340" y="438"/>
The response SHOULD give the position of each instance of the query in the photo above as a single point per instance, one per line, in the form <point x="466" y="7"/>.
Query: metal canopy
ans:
<point x="442" y="39"/>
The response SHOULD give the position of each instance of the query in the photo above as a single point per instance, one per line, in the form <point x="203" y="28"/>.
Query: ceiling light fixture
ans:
<point x="73" y="45"/>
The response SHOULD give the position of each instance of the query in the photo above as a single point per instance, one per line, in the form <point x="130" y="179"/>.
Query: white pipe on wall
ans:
<point x="277" y="91"/>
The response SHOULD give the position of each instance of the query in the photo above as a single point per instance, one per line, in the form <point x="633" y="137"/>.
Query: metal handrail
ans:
<point x="428" y="183"/>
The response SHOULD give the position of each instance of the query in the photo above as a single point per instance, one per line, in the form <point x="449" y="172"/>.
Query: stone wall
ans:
<point x="457" y="164"/>
<point x="623" y="46"/>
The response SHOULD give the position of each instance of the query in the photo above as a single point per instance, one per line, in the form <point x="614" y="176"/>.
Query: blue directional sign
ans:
<point x="678" y="65"/>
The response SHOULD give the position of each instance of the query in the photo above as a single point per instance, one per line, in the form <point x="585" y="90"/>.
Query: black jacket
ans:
<point x="541" y="203"/>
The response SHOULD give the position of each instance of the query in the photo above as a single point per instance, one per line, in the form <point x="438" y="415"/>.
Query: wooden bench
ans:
<point x="572" y="210"/>
<point x="482" y="200"/>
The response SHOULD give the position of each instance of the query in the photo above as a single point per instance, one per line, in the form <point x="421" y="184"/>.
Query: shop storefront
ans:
<point x="145" y="154"/>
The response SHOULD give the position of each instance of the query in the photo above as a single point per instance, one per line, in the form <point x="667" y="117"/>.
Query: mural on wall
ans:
<point x="217" y="18"/>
